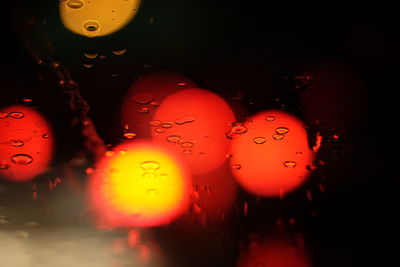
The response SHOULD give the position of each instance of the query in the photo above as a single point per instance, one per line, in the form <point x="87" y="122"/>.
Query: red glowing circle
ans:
<point x="138" y="185"/>
<point x="26" y="142"/>
<point x="270" y="157"/>
<point x="193" y="123"/>
<point x="144" y="97"/>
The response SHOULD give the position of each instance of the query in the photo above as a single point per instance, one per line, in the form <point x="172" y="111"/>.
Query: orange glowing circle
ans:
<point x="271" y="157"/>
<point x="97" y="18"/>
<point x="193" y="123"/>
<point x="26" y="143"/>
<point x="140" y="185"/>
<point x="144" y="97"/>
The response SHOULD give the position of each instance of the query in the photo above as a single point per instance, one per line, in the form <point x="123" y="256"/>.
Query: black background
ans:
<point x="247" y="46"/>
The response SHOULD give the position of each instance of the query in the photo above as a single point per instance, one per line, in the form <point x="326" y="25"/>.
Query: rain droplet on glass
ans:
<point x="142" y="98"/>
<point x="22" y="159"/>
<point x="259" y="140"/>
<point x="290" y="164"/>
<point x="281" y="130"/>
<point x="150" y="166"/>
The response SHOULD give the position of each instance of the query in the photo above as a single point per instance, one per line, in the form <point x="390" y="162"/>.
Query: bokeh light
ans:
<point x="138" y="185"/>
<point x="193" y="123"/>
<point x="97" y="18"/>
<point x="144" y="97"/>
<point x="26" y="142"/>
<point x="270" y="153"/>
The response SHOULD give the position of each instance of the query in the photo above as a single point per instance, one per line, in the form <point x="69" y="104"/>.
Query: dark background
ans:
<point x="246" y="46"/>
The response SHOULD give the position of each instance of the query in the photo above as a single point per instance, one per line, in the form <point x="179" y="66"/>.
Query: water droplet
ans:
<point x="259" y="140"/>
<point x="290" y="164"/>
<point x="155" y="103"/>
<point x="75" y="4"/>
<point x="102" y="56"/>
<point x="91" y="26"/>
<point x="4" y="166"/>
<point x="181" y="84"/>
<point x="22" y="159"/>
<point x="278" y="136"/>
<point x="149" y="175"/>
<point x="187" y="152"/>
<point x="236" y="166"/>
<point x="144" y="110"/>
<point x="155" y="123"/>
<point x="229" y="135"/>
<point x="281" y="130"/>
<point x="159" y="130"/>
<point x="16" y="115"/>
<point x="187" y="145"/>
<point x="45" y="136"/>
<point x="142" y="98"/>
<point x="167" y="125"/>
<point x="3" y="115"/>
<point x="270" y="118"/>
<point x="173" y="138"/>
<point x="119" y="52"/>
<point x="17" y="142"/>
<point x="238" y="128"/>
<point x="110" y="153"/>
<point x="129" y="135"/>
<point x="90" y="56"/>
<point x="163" y="176"/>
<point x="27" y="100"/>
<point x="88" y="66"/>
<point x="150" y="166"/>
<point x="184" y="119"/>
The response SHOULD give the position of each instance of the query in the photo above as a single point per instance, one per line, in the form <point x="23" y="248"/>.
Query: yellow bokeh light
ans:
<point x="94" y="18"/>
<point x="142" y="184"/>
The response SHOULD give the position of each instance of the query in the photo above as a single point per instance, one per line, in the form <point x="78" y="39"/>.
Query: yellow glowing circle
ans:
<point x="93" y="18"/>
<point x="144" y="183"/>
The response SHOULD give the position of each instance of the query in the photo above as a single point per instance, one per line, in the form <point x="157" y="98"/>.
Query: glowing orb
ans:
<point x="274" y="254"/>
<point x="193" y="123"/>
<point x="144" y="97"/>
<point x="26" y="143"/>
<point x="138" y="185"/>
<point x="97" y="18"/>
<point x="270" y="154"/>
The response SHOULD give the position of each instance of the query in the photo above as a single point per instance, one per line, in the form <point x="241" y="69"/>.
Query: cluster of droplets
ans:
<point x="15" y="115"/>
<point x="90" y="57"/>
<point x="150" y="172"/>
<point x="302" y="82"/>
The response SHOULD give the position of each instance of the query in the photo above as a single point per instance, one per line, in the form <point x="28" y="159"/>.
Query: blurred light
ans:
<point x="147" y="93"/>
<point x="97" y="17"/>
<point x="193" y="123"/>
<point x="26" y="143"/>
<point x="277" y="164"/>
<point x="140" y="185"/>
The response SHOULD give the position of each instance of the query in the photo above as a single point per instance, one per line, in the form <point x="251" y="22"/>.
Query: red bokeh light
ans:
<point x="270" y="154"/>
<point x="145" y="95"/>
<point x="193" y="123"/>
<point x="26" y="142"/>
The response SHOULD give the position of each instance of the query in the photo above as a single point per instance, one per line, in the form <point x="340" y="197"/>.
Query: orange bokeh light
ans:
<point x="144" y="97"/>
<point x="270" y="157"/>
<point x="138" y="185"/>
<point x="193" y="123"/>
<point x="26" y="142"/>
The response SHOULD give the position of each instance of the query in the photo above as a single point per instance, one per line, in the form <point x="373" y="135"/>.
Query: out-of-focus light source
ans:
<point x="145" y="96"/>
<point x="97" y="17"/>
<point x="193" y="123"/>
<point x="26" y="143"/>
<point x="270" y="154"/>
<point x="138" y="185"/>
